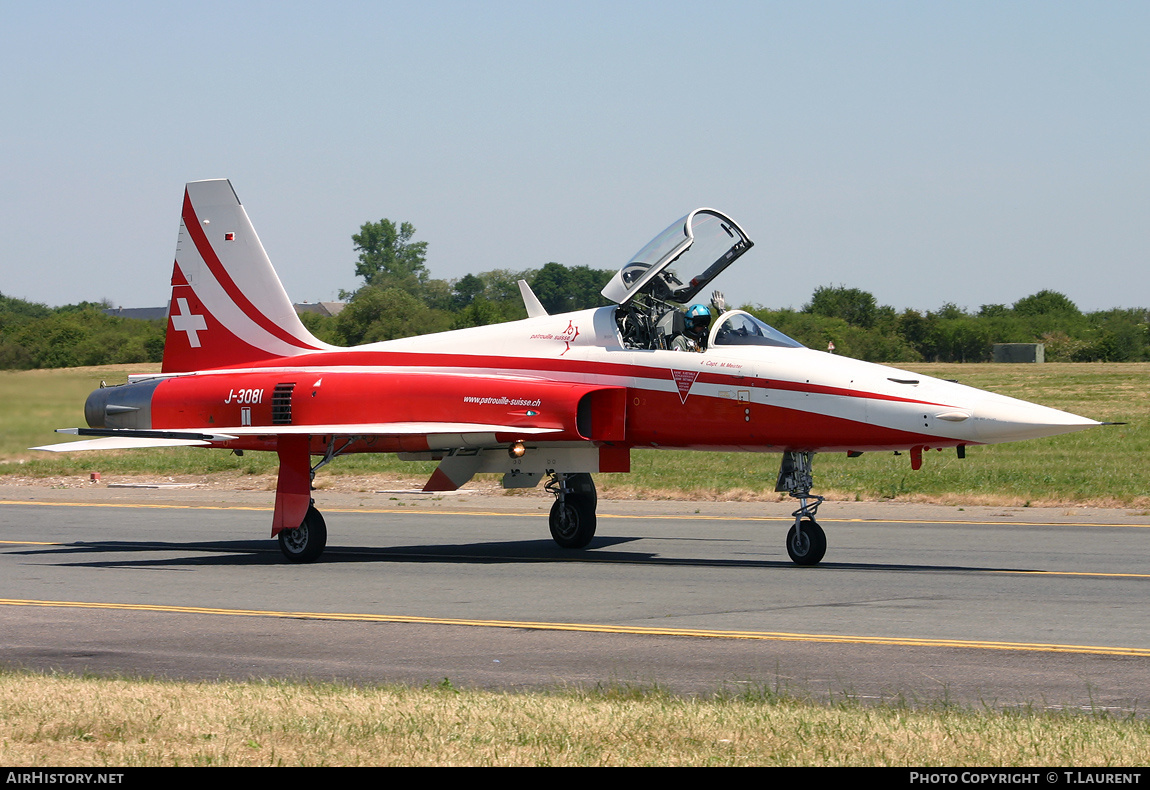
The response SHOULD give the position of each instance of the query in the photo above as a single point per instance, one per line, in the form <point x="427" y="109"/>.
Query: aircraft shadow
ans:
<point x="266" y="552"/>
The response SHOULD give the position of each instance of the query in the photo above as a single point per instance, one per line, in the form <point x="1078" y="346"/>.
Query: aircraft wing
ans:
<point x="127" y="442"/>
<point x="385" y="429"/>
<point x="455" y="433"/>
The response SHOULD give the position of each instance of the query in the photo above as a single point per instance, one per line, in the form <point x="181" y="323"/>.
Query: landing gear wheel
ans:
<point x="573" y="521"/>
<point x="307" y="541"/>
<point x="808" y="547"/>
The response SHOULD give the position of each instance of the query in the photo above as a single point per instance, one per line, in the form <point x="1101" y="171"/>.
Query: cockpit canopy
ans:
<point x="703" y="243"/>
<point x="647" y="289"/>
<point x="739" y="328"/>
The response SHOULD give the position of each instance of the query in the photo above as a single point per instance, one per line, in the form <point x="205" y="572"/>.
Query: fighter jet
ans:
<point x="550" y="398"/>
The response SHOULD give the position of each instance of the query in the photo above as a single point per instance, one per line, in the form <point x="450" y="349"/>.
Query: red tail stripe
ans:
<point x="192" y="223"/>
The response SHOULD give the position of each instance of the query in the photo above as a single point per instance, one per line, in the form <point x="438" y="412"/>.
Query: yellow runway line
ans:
<point x="601" y="629"/>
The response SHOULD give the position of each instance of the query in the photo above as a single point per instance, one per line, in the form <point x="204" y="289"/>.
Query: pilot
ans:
<point x="698" y="322"/>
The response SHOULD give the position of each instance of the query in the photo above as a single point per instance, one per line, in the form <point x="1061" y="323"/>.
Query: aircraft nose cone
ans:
<point x="1001" y="419"/>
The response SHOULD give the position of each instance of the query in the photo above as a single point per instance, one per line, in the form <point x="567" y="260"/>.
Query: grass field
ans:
<point x="1102" y="466"/>
<point x="64" y="721"/>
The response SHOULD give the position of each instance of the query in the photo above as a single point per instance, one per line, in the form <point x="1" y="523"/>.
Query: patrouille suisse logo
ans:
<point x="566" y="337"/>
<point x="683" y="381"/>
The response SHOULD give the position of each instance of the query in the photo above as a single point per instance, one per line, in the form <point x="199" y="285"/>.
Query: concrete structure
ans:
<point x="139" y="313"/>
<point x="1019" y="352"/>
<point x="322" y="308"/>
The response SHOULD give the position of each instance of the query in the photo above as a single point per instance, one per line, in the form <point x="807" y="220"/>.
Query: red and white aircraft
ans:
<point x="555" y="397"/>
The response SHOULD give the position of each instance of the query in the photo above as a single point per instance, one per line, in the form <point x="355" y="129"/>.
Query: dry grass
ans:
<point x="65" y="721"/>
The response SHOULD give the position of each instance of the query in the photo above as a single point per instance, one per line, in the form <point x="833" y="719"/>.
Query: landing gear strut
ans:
<point x="306" y="541"/>
<point x="806" y="541"/>
<point x="573" y="514"/>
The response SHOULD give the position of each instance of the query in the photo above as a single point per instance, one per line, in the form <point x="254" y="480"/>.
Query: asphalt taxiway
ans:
<point x="995" y="606"/>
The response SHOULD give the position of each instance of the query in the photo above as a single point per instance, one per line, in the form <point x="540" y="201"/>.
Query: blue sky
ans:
<point x="927" y="152"/>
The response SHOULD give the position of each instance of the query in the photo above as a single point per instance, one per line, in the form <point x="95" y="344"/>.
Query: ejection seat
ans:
<point x="669" y="326"/>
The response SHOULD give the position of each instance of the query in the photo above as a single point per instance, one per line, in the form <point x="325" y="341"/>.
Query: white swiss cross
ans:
<point x="186" y="322"/>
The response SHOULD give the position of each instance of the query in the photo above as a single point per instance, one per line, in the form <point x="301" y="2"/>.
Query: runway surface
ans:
<point x="994" y="606"/>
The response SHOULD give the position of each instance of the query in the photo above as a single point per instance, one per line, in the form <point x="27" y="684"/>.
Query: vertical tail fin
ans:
<point x="228" y="306"/>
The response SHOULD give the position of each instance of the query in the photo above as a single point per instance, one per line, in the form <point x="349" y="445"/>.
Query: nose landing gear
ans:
<point x="573" y="514"/>
<point x="806" y="541"/>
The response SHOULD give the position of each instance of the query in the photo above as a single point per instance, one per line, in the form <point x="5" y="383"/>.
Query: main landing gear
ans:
<point x="573" y="514"/>
<point x="307" y="541"/>
<point x="806" y="541"/>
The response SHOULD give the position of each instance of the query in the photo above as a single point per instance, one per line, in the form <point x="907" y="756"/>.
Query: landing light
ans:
<point x="516" y="450"/>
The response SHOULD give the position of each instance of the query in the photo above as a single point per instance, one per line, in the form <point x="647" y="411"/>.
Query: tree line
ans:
<point x="37" y="336"/>
<point x="859" y="327"/>
<point x="399" y="298"/>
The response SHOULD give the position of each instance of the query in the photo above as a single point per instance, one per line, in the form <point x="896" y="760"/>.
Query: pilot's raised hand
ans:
<point x="718" y="302"/>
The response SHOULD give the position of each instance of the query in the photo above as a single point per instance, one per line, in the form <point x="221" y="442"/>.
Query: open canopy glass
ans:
<point x="701" y="245"/>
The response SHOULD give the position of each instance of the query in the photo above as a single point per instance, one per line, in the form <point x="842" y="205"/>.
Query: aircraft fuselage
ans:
<point x="538" y="371"/>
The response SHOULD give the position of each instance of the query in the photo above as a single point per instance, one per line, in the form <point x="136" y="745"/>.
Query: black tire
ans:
<point x="573" y="522"/>
<point x="809" y="548"/>
<point x="584" y="485"/>
<point x="307" y="541"/>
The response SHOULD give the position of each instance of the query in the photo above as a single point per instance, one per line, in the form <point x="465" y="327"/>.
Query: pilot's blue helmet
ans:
<point x="698" y="318"/>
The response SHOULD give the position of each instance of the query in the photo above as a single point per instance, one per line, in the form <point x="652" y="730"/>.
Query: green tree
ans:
<point x="1046" y="303"/>
<point x="389" y="258"/>
<point x="11" y="307"/>
<point x="501" y="286"/>
<point x="465" y="289"/>
<point x="856" y="307"/>
<point x="562" y="289"/>
<point x="479" y="312"/>
<point x="919" y="331"/>
<point x="1051" y="312"/>
<point x="76" y="335"/>
<point x="376" y="313"/>
<point x="488" y="298"/>
<point x="962" y="339"/>
<point x="950" y="312"/>
<point x="438" y="295"/>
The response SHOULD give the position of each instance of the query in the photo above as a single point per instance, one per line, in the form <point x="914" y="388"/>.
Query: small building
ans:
<point x="1019" y="352"/>
<point x="161" y="313"/>
<point x="321" y="308"/>
<point x="139" y="313"/>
